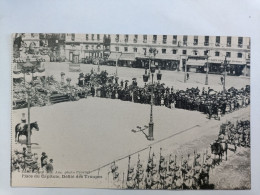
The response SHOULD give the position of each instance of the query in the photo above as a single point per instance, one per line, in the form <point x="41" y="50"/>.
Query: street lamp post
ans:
<point x="207" y="71"/>
<point x="29" y="146"/>
<point x="225" y="65"/>
<point x="145" y="78"/>
<point x="28" y="67"/>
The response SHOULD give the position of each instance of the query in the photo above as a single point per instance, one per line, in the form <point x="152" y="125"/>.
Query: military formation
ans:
<point x="235" y="134"/>
<point x="172" y="172"/>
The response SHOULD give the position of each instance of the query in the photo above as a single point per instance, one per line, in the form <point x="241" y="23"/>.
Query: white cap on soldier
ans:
<point x="23" y="117"/>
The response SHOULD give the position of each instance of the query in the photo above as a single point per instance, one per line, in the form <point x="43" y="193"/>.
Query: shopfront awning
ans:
<point x="141" y="56"/>
<point x="127" y="57"/>
<point x="166" y="57"/>
<point x="114" y="56"/>
<point x="221" y="59"/>
<point x="192" y="62"/>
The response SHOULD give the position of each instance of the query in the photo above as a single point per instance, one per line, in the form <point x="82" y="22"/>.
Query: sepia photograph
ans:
<point x="130" y="111"/>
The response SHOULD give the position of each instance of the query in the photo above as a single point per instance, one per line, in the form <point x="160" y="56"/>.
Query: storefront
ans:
<point x="167" y="61"/>
<point x="196" y="64"/>
<point x="126" y="59"/>
<point x="235" y="66"/>
<point x="113" y="58"/>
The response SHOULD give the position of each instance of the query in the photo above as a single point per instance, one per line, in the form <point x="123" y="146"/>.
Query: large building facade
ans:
<point x="173" y="52"/>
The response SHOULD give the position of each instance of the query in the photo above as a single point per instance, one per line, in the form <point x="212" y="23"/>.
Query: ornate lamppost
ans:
<point x="225" y="66"/>
<point x="145" y="79"/>
<point x="28" y="67"/>
<point x="207" y="71"/>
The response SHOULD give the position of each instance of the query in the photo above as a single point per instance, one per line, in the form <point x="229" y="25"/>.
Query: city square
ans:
<point x="95" y="132"/>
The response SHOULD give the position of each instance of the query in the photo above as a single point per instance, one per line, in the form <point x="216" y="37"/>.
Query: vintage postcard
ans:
<point x="130" y="111"/>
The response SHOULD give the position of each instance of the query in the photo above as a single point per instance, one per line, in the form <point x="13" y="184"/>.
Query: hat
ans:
<point x="44" y="153"/>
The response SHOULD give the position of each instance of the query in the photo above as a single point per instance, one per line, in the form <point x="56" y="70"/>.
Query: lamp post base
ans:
<point x="207" y="81"/>
<point x="150" y="136"/>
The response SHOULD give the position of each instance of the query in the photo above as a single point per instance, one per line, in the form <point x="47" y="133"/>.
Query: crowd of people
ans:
<point x="172" y="172"/>
<point x="25" y="162"/>
<point x="208" y="101"/>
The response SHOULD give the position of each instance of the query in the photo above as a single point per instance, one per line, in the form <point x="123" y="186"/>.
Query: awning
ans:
<point x="114" y="56"/>
<point x="166" y="57"/>
<point x="195" y="62"/>
<point x="127" y="57"/>
<point x="221" y="59"/>
<point x="141" y="56"/>
<point x="76" y="53"/>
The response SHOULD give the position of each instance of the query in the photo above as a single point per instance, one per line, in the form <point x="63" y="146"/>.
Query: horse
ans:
<point x="219" y="149"/>
<point x="19" y="131"/>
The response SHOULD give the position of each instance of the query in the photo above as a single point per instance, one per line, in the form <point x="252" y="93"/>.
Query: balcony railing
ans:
<point x="228" y="44"/>
<point x="164" y="41"/>
<point x="206" y="43"/>
<point x="154" y="41"/>
<point x="217" y="44"/>
<point x="240" y="45"/>
<point x="195" y="43"/>
<point x="145" y="41"/>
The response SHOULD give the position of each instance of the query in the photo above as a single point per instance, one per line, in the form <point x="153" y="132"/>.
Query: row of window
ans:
<point x="184" y="39"/>
<point x="184" y="52"/>
<point x="164" y="41"/>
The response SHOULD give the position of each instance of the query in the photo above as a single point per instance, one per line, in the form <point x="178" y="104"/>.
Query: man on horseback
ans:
<point x="23" y="122"/>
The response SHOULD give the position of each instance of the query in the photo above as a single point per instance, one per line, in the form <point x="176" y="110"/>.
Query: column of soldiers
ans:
<point x="167" y="174"/>
<point x="182" y="173"/>
<point x="235" y="134"/>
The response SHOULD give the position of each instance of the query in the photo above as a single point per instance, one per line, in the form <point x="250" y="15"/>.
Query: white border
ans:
<point x="192" y="17"/>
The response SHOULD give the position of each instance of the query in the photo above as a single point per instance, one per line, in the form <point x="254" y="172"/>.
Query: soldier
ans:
<point x="149" y="165"/>
<point x="196" y="177"/>
<point x="178" y="180"/>
<point x="114" y="167"/>
<point x="130" y="183"/>
<point x="168" y="182"/>
<point x="23" y="121"/>
<point x="139" y="174"/>
<point x="204" y="175"/>
<point x="209" y="162"/>
<point x="184" y="168"/>
<point x="148" y="180"/>
<point x="49" y="166"/>
<point x="155" y="180"/>
<point x="163" y="164"/>
<point x="197" y="160"/>
<point x="43" y="161"/>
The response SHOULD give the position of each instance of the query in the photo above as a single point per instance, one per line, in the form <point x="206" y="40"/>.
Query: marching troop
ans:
<point x="182" y="173"/>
